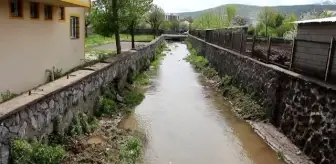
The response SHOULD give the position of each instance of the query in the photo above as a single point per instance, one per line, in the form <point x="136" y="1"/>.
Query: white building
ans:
<point x="170" y="17"/>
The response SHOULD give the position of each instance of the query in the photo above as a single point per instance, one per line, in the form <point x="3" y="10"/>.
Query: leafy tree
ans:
<point x="215" y="19"/>
<point x="175" y="25"/>
<point x="133" y="12"/>
<point x="208" y="20"/>
<point x="88" y="18"/>
<point x="101" y="18"/>
<point x="156" y="17"/>
<point x="239" y="21"/>
<point x="313" y="14"/>
<point x="106" y="18"/>
<point x="184" y="26"/>
<point x="231" y="12"/>
<point x="166" y="25"/>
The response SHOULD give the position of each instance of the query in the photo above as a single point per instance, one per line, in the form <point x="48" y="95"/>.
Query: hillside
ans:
<point x="250" y="11"/>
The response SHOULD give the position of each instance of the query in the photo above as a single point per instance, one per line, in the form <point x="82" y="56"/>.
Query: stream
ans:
<point x="188" y="123"/>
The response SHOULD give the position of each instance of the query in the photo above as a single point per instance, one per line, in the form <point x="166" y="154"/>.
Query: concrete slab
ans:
<point x="280" y="143"/>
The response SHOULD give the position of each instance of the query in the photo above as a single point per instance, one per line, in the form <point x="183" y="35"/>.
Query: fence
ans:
<point x="304" y="56"/>
<point x="227" y="38"/>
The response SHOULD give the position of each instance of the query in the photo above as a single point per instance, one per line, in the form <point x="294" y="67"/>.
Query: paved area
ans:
<point x="280" y="143"/>
<point x="125" y="46"/>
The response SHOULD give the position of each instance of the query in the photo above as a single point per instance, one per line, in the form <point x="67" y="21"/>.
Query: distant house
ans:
<point x="36" y="35"/>
<point x="171" y="17"/>
<point x="313" y="42"/>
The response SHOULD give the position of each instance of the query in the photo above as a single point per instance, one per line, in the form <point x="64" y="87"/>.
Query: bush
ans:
<point x="24" y="153"/>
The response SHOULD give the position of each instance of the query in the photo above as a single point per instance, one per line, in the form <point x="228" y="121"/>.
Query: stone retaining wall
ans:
<point x="303" y="108"/>
<point x="51" y="107"/>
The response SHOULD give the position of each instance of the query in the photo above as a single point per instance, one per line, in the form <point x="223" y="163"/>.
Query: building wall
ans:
<point x="56" y="103"/>
<point x="29" y="47"/>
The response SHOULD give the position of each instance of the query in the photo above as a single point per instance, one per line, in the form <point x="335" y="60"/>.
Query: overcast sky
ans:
<point x="173" y="6"/>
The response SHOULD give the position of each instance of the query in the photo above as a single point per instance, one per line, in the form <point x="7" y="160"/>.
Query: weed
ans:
<point x="243" y="100"/>
<point x="199" y="62"/>
<point x="58" y="73"/>
<point x="142" y="79"/>
<point x="24" y="152"/>
<point x="280" y="156"/>
<point x="133" y="98"/>
<point x="5" y="96"/>
<point x="131" y="151"/>
<point x="82" y="124"/>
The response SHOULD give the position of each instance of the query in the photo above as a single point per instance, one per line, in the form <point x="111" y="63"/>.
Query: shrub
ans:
<point x="23" y="152"/>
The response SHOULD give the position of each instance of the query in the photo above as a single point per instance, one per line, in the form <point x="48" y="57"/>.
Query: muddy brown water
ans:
<point x="188" y="123"/>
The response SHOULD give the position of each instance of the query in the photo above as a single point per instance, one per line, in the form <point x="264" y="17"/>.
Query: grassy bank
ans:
<point x="94" y="138"/>
<point x="245" y="104"/>
<point x="95" y="40"/>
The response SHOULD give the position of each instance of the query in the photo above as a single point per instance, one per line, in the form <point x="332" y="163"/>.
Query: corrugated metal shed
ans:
<point x="320" y="20"/>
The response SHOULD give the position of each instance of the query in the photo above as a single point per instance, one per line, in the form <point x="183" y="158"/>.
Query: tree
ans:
<point x="101" y="18"/>
<point x="88" y="18"/>
<point x="184" y="26"/>
<point x="106" y="19"/>
<point x="156" y="17"/>
<point x="231" y="12"/>
<point x="175" y="25"/>
<point x="166" y="25"/>
<point x="239" y="21"/>
<point x="315" y="15"/>
<point x="133" y="12"/>
<point x="208" y="20"/>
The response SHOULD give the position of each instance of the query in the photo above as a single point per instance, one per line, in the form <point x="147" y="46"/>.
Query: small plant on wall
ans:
<point x="5" y="96"/>
<point x="55" y="74"/>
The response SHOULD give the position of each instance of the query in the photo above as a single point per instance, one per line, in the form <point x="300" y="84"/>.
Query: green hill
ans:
<point x="250" y="11"/>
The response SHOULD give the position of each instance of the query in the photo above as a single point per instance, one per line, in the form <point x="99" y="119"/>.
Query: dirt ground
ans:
<point x="102" y="146"/>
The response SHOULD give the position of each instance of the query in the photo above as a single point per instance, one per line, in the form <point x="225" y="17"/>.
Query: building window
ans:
<point x="16" y="7"/>
<point x="48" y="12"/>
<point x="61" y="13"/>
<point x="34" y="10"/>
<point x="74" y="27"/>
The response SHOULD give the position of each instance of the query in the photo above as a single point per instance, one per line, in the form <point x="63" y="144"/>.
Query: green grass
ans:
<point x="137" y="38"/>
<point x="142" y="79"/>
<point x="159" y="56"/>
<point x="95" y="40"/>
<point x="133" y="98"/>
<point x="130" y="152"/>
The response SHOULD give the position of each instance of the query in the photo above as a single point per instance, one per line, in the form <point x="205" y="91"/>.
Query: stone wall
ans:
<point x="51" y="107"/>
<point x="303" y="108"/>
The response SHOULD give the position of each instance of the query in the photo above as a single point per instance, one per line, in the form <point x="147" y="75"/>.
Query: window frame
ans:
<point x="20" y="6"/>
<point x="61" y="10"/>
<point x="37" y="10"/>
<point x="74" y="27"/>
<point x="46" y="6"/>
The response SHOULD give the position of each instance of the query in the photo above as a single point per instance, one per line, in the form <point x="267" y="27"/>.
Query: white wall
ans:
<point x="29" y="47"/>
